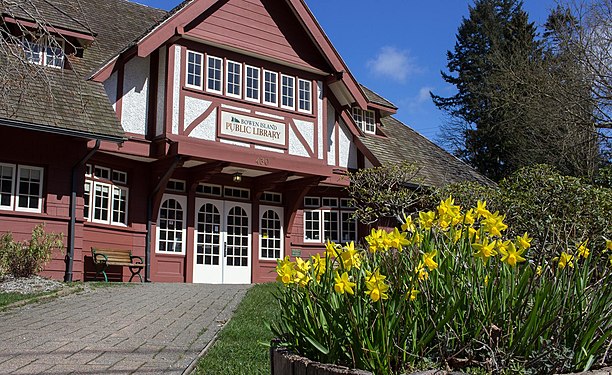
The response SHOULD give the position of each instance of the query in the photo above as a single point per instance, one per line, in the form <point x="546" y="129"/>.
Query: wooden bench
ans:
<point x="103" y="258"/>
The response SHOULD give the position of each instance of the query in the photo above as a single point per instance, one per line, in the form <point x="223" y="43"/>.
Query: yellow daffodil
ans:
<point x="421" y="272"/>
<point x="484" y="250"/>
<point x="426" y="219"/>
<point x="608" y="246"/>
<point x="583" y="250"/>
<point x="481" y="209"/>
<point x="428" y="260"/>
<point x="412" y="295"/>
<point x="301" y="265"/>
<point x="510" y="255"/>
<point x="377" y="288"/>
<point x="456" y="236"/>
<point x="565" y="260"/>
<point x="416" y="239"/>
<point x="398" y="239"/>
<point x="538" y="270"/>
<point x="523" y="242"/>
<point x="331" y="249"/>
<point x="343" y="284"/>
<point x="350" y="257"/>
<point x="319" y="264"/>
<point x="468" y="218"/>
<point x="486" y="280"/>
<point x="377" y="240"/>
<point x="408" y="224"/>
<point x="285" y="271"/>
<point x="494" y="224"/>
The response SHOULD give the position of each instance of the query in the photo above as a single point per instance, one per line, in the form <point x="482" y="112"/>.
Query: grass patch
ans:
<point x="7" y="298"/>
<point x="238" y="349"/>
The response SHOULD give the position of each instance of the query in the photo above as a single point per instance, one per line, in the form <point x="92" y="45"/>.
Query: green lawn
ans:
<point x="238" y="349"/>
<point x="8" y="298"/>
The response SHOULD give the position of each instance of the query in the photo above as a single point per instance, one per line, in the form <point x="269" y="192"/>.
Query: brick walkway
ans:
<point x="140" y="328"/>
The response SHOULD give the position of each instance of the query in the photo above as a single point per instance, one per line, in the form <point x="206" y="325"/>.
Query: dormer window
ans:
<point x="45" y="52"/>
<point x="366" y="120"/>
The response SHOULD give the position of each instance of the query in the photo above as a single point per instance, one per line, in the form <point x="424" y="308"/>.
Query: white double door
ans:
<point x="222" y="242"/>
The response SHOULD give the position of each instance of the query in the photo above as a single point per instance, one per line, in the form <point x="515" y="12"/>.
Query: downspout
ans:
<point x="150" y="215"/>
<point x="73" y="196"/>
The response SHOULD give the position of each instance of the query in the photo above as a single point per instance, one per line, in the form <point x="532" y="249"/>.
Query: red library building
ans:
<point x="210" y="140"/>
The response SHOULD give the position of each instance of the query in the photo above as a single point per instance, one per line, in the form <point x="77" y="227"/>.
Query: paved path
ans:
<point x="140" y="328"/>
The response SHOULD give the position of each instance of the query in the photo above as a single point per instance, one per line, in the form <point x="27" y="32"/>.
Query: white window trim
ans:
<point x="341" y="230"/>
<point x="176" y="190"/>
<point x="92" y="197"/>
<point x="201" y="70"/>
<point x="246" y="97"/>
<point x="317" y="205"/>
<point x="12" y="198"/>
<point x="212" y="186"/>
<point x="127" y="205"/>
<point x="104" y="169"/>
<point x="90" y="183"/>
<point x="40" y="188"/>
<point x="227" y="72"/>
<point x="279" y="212"/>
<point x="309" y="99"/>
<point x="221" y="83"/>
<point x="365" y="123"/>
<point x="248" y="191"/>
<point x="123" y="180"/>
<point x="306" y="240"/>
<point x="338" y="225"/>
<point x="333" y="199"/>
<point x="281" y="93"/>
<point x="274" y="103"/>
<point x="42" y="54"/>
<point x="183" y="202"/>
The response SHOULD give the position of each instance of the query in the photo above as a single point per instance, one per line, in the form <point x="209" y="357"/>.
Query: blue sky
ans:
<point x="398" y="47"/>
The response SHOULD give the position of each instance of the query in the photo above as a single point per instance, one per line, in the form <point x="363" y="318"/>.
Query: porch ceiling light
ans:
<point x="237" y="177"/>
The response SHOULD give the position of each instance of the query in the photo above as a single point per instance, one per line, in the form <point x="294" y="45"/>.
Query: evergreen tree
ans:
<point x="495" y="29"/>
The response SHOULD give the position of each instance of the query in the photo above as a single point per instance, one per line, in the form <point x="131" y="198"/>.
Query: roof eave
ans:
<point x="61" y="131"/>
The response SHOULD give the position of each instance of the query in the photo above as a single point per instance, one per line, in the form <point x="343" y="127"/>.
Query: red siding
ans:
<point x="266" y="27"/>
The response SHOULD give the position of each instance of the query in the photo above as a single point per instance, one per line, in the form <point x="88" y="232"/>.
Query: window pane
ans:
<point x="170" y="226"/>
<point x="233" y="78"/>
<point x="252" y="83"/>
<point x="288" y="91"/>
<point x="194" y="69"/>
<point x="215" y="72"/>
<point x="29" y="188"/>
<point x="270" y="87"/>
<point x="305" y="95"/>
<point x="6" y="184"/>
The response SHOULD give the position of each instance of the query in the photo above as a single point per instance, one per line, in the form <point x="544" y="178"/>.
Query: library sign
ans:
<point x="242" y="127"/>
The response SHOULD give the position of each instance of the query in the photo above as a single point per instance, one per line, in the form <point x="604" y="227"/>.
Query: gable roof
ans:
<point x="63" y="100"/>
<point x="436" y="166"/>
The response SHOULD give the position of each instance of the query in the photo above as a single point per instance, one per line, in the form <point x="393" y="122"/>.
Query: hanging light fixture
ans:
<point x="237" y="177"/>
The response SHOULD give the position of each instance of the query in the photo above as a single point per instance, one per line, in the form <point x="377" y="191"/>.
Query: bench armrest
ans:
<point x="100" y="255"/>
<point x="132" y="257"/>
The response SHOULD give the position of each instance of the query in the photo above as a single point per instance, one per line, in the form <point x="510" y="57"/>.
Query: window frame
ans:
<point x="43" y="51"/>
<point x="227" y="80"/>
<point x="208" y="75"/>
<point x="319" y="222"/>
<point x="265" y="91"/>
<point x="112" y="185"/>
<point x="182" y="200"/>
<point x="18" y="189"/>
<point x="201" y="72"/>
<point x="246" y="83"/>
<point x="112" y="205"/>
<point x="307" y="97"/>
<point x="10" y="207"/>
<point x="282" y="92"/>
<point x="279" y="212"/>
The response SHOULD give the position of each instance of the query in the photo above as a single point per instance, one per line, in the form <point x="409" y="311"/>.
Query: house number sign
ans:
<point x="252" y="129"/>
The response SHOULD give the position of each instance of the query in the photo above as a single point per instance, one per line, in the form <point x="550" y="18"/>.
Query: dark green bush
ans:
<point x="26" y="258"/>
<point x="557" y="211"/>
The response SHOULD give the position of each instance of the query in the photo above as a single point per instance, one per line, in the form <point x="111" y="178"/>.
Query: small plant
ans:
<point x="26" y="258"/>
<point x="451" y="288"/>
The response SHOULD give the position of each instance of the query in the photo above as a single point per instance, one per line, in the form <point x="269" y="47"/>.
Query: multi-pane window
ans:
<point x="287" y="92"/>
<point x="270" y="87"/>
<point x="327" y="222"/>
<point x="194" y="69"/>
<point x="171" y="227"/>
<point x="47" y="52"/>
<point x="21" y="187"/>
<point x="252" y="83"/>
<point x="176" y="185"/>
<point x="209" y="189"/>
<point x="271" y="197"/>
<point x="105" y="201"/>
<point x="233" y="78"/>
<point x="270" y="235"/>
<point x="304" y="95"/>
<point x="215" y="74"/>
<point x="366" y="120"/>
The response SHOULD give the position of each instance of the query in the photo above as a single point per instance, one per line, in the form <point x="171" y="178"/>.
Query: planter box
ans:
<point x="282" y="362"/>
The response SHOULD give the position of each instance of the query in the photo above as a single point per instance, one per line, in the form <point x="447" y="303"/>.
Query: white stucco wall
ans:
<point x="176" y="89"/>
<point x="320" y="118"/>
<point x="161" y="93"/>
<point x="347" y="150"/>
<point x="207" y="129"/>
<point x="194" y="107"/>
<point x="135" y="95"/>
<point x="306" y="129"/>
<point x="295" y="146"/>
<point x="331" y="135"/>
<point x="110" y="86"/>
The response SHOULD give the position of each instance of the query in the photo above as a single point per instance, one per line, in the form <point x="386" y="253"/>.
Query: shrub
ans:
<point x="559" y="211"/>
<point x="26" y="258"/>
<point x="451" y="288"/>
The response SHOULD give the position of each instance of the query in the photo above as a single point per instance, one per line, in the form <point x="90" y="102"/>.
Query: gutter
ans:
<point x="161" y="181"/>
<point x="61" y="131"/>
<point x="73" y="196"/>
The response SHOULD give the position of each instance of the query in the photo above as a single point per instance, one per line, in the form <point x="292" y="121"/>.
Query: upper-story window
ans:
<point x="288" y="92"/>
<point x="252" y="83"/>
<point x="270" y="88"/>
<point x="304" y="95"/>
<point x="234" y="74"/>
<point x="365" y="119"/>
<point x="194" y="69"/>
<point x="215" y="74"/>
<point x="45" y="52"/>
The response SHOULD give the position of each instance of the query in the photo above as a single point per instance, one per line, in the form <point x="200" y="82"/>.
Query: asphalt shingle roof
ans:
<point x="64" y="98"/>
<point x="375" y="98"/>
<point x="436" y="166"/>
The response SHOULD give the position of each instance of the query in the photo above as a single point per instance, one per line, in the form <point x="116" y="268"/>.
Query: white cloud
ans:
<point x="414" y="104"/>
<point x="393" y="63"/>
